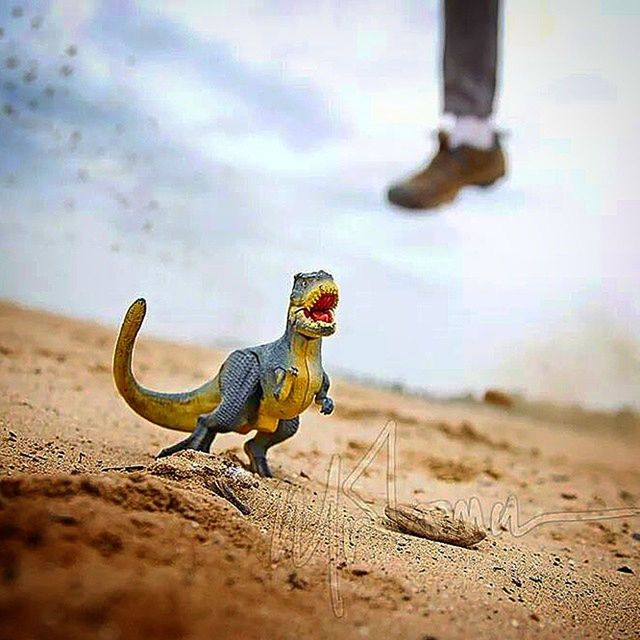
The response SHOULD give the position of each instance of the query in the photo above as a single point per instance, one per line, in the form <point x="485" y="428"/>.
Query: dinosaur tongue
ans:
<point x="322" y="316"/>
<point x="321" y="310"/>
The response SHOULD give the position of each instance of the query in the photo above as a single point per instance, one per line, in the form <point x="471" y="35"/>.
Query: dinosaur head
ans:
<point x="312" y="304"/>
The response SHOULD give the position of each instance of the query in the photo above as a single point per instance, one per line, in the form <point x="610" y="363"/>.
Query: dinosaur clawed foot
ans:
<point x="199" y="440"/>
<point x="257" y="460"/>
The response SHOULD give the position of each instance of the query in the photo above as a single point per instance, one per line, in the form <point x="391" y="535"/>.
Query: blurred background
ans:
<point x="199" y="153"/>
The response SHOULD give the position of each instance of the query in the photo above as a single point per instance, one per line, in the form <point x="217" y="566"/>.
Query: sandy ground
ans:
<point x="151" y="549"/>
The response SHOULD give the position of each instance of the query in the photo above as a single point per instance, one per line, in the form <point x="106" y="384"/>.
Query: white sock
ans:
<point x="473" y="132"/>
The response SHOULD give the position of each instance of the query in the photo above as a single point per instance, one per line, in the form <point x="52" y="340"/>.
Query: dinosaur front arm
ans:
<point x="284" y="382"/>
<point x="326" y="403"/>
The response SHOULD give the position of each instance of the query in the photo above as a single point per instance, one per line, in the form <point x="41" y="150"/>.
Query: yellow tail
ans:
<point x="178" y="411"/>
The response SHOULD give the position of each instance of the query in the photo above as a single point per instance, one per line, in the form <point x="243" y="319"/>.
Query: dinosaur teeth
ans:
<point x="323" y="291"/>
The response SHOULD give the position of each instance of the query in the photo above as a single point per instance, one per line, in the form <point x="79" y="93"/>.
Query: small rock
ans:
<point x="625" y="569"/>
<point x="498" y="398"/>
<point x="516" y="581"/>
<point x="568" y="496"/>
<point x="433" y="523"/>
<point x="492" y="473"/>
<point x="296" y="581"/>
<point x="360" y="570"/>
<point x="636" y="536"/>
<point x="625" y="495"/>
<point x="535" y="578"/>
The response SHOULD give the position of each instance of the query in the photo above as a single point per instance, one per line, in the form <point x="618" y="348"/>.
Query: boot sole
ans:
<point x="448" y="197"/>
<point x="422" y="206"/>
<point x="488" y="183"/>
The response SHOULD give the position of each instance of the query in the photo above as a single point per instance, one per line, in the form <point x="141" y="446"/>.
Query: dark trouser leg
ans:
<point x="239" y="381"/>
<point x="257" y="447"/>
<point x="470" y="56"/>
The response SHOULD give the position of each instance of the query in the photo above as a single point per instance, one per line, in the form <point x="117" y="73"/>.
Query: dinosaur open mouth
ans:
<point x="322" y="308"/>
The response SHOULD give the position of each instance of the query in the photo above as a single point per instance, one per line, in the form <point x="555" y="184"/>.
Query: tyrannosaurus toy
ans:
<point x="265" y="388"/>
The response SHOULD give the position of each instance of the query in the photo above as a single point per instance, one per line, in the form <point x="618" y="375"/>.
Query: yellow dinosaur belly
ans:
<point x="304" y="387"/>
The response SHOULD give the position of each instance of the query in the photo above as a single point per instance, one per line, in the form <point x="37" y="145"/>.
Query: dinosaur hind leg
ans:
<point x="239" y="382"/>
<point x="200" y="440"/>
<point x="257" y="447"/>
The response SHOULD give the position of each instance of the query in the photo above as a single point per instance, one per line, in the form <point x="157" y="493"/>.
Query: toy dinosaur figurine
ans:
<point x="265" y="388"/>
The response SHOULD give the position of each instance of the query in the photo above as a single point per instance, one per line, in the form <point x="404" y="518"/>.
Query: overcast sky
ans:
<point x="200" y="153"/>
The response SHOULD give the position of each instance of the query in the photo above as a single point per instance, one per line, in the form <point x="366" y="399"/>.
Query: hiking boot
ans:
<point x="449" y="171"/>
